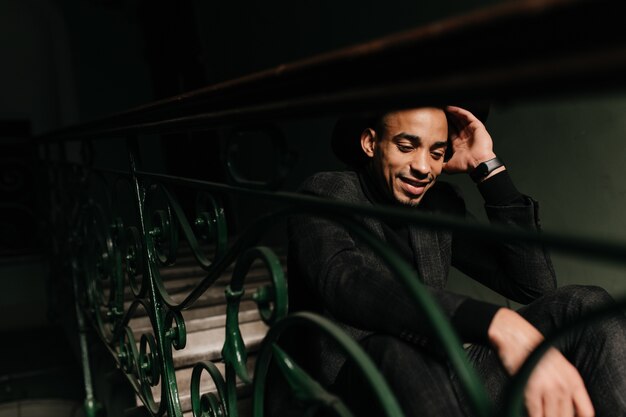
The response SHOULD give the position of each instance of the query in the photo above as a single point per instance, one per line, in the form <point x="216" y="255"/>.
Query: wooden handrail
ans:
<point x="519" y="49"/>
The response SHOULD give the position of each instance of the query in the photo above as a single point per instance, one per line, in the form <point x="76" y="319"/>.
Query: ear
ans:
<point x="368" y="141"/>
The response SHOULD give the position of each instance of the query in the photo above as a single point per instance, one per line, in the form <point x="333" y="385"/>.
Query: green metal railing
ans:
<point x="109" y="252"/>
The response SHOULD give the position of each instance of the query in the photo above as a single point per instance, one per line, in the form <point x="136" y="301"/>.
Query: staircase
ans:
<point x="205" y="324"/>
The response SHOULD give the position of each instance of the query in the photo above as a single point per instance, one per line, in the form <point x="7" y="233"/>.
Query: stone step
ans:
<point x="206" y="345"/>
<point x="184" y="254"/>
<point x="185" y="279"/>
<point x="183" y="380"/>
<point x="205" y="323"/>
<point x="244" y="406"/>
<point x="187" y="258"/>
<point x="214" y="295"/>
<point x="186" y="283"/>
<point x="201" y="318"/>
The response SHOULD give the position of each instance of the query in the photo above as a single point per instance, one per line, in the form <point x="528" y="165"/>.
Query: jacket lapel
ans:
<point x="427" y="257"/>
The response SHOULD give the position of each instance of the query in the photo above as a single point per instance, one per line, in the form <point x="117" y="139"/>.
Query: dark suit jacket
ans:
<point x="335" y="274"/>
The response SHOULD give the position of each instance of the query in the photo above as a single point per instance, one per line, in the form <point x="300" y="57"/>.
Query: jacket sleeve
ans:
<point x="351" y="284"/>
<point x="521" y="271"/>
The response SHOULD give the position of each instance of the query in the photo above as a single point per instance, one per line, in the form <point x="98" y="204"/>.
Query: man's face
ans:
<point x="408" y="154"/>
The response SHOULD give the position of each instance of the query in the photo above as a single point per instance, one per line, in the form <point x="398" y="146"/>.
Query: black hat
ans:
<point x="346" y="137"/>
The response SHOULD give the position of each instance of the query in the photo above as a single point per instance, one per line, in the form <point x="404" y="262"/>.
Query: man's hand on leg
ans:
<point x="555" y="387"/>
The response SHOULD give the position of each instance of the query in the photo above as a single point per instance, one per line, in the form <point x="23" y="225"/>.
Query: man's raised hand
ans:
<point x="471" y="143"/>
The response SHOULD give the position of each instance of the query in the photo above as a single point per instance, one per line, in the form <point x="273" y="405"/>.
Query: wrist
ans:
<point x="508" y="326"/>
<point x="496" y="332"/>
<point x="494" y="172"/>
<point x="486" y="169"/>
<point x="479" y="159"/>
<point x="513" y="338"/>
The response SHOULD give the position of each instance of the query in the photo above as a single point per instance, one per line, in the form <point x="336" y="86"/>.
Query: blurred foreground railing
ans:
<point x="121" y="238"/>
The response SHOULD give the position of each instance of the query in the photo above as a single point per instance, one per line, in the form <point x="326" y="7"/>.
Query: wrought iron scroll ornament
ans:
<point x="209" y="404"/>
<point x="279" y="148"/>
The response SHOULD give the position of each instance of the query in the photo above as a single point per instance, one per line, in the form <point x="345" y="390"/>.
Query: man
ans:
<point x="334" y="273"/>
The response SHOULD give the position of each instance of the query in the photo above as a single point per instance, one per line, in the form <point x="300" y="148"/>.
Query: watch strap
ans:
<point x="485" y="168"/>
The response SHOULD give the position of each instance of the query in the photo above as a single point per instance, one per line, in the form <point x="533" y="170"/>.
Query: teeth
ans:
<point x="415" y="184"/>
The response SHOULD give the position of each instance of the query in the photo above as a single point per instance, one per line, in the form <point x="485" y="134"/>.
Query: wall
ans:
<point x="36" y="84"/>
<point x="569" y="155"/>
<point x="36" y="75"/>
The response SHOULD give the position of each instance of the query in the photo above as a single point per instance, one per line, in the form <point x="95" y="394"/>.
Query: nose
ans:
<point x="420" y="168"/>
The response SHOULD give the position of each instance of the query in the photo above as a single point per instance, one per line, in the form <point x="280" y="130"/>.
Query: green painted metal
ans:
<point x="306" y="388"/>
<point x="234" y="350"/>
<point x="208" y="404"/>
<point x="91" y="405"/>
<point x="166" y="336"/>
<point x="149" y="370"/>
<point x="278" y="145"/>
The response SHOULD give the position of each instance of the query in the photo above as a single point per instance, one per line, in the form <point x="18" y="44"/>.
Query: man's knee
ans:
<point x="581" y="301"/>
<point x="565" y="306"/>
<point x="384" y="349"/>
<point x="584" y="298"/>
<point x="396" y="356"/>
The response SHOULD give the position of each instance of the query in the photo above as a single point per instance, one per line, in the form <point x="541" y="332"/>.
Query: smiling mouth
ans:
<point x="413" y="188"/>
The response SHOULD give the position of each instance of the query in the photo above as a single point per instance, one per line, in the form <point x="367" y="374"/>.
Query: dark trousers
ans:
<point x="425" y="386"/>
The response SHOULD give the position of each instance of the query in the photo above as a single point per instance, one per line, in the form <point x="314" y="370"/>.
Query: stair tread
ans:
<point x="181" y="279"/>
<point x="201" y="318"/>
<point x="214" y="295"/>
<point x="207" y="344"/>
<point x="244" y="406"/>
<point x="183" y="380"/>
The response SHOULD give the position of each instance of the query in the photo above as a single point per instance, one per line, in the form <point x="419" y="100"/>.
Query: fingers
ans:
<point x="556" y="389"/>
<point x="457" y="121"/>
<point x="461" y="113"/>
<point x="557" y="405"/>
<point x="582" y="402"/>
<point x="534" y="405"/>
<point x="461" y="117"/>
